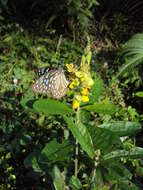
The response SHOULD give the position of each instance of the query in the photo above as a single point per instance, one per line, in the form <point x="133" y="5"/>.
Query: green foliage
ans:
<point x="133" y="52"/>
<point x="102" y="108"/>
<point x="58" y="179"/>
<point x="134" y="153"/>
<point x="75" y="183"/>
<point x="122" y="128"/>
<point x="52" y="107"/>
<point x="82" y="10"/>
<point x="97" y="90"/>
<point x="82" y="135"/>
<point x="139" y="94"/>
<point x="53" y="152"/>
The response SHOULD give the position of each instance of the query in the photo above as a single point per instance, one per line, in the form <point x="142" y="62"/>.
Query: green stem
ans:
<point x="76" y="159"/>
<point x="76" y="149"/>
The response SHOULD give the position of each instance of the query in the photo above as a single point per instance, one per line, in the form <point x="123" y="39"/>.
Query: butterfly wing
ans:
<point x="59" y="85"/>
<point x="42" y="84"/>
<point x="53" y="82"/>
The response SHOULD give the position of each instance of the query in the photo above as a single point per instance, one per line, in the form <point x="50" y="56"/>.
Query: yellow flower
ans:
<point x="83" y="77"/>
<point x="74" y="83"/>
<point x="79" y="74"/>
<point x="90" y="83"/>
<point x="85" y="99"/>
<point x="84" y="91"/>
<point x="75" y="104"/>
<point x="71" y="68"/>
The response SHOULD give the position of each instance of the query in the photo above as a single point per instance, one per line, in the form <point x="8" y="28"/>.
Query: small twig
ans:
<point x="59" y="43"/>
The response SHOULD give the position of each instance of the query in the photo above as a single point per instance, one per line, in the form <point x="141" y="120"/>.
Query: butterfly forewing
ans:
<point x="42" y="84"/>
<point x="60" y="83"/>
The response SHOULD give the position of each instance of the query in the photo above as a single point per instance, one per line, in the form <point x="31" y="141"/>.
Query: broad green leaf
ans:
<point x="103" y="139"/>
<point x="80" y="132"/>
<point x="75" y="183"/>
<point x="134" y="153"/>
<point x="52" y="107"/>
<point x="139" y="94"/>
<point x="58" y="179"/>
<point x="54" y="151"/>
<point x="102" y="108"/>
<point x="122" y="128"/>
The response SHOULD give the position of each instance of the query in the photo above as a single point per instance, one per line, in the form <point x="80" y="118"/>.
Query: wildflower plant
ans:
<point x="80" y="77"/>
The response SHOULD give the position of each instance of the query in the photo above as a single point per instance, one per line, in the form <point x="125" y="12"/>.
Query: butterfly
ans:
<point x="52" y="82"/>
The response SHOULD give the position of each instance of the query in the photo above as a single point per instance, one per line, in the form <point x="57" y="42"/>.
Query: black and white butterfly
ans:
<point x="52" y="82"/>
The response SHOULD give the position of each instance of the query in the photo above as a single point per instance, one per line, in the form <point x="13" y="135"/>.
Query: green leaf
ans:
<point x="52" y="107"/>
<point x="133" y="51"/>
<point x="126" y="184"/>
<point x="54" y="151"/>
<point x="75" y="183"/>
<point x="134" y="153"/>
<point x="118" y="171"/>
<point x="58" y="179"/>
<point x="80" y="132"/>
<point x="122" y="128"/>
<point x="25" y="140"/>
<point x="31" y="161"/>
<point x="7" y="39"/>
<point x="139" y="171"/>
<point x="97" y="90"/>
<point x="102" y="108"/>
<point x="103" y="139"/>
<point x="139" y="94"/>
<point x="84" y="116"/>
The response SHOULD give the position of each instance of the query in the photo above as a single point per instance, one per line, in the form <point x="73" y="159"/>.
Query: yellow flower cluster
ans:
<point x="81" y="77"/>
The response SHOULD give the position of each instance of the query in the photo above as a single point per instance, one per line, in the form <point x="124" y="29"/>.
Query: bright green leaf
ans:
<point x="122" y="128"/>
<point x="134" y="153"/>
<point x="102" y="108"/>
<point x="58" y="179"/>
<point x="75" y="183"/>
<point x="139" y="94"/>
<point x="52" y="107"/>
<point x="80" y="132"/>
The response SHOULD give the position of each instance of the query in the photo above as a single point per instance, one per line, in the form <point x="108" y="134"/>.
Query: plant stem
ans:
<point x="76" y="159"/>
<point x="76" y="144"/>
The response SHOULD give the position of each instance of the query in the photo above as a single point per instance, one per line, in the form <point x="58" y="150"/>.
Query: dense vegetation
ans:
<point x="91" y="139"/>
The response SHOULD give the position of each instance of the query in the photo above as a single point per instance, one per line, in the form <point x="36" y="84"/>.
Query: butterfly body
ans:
<point x="52" y="82"/>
